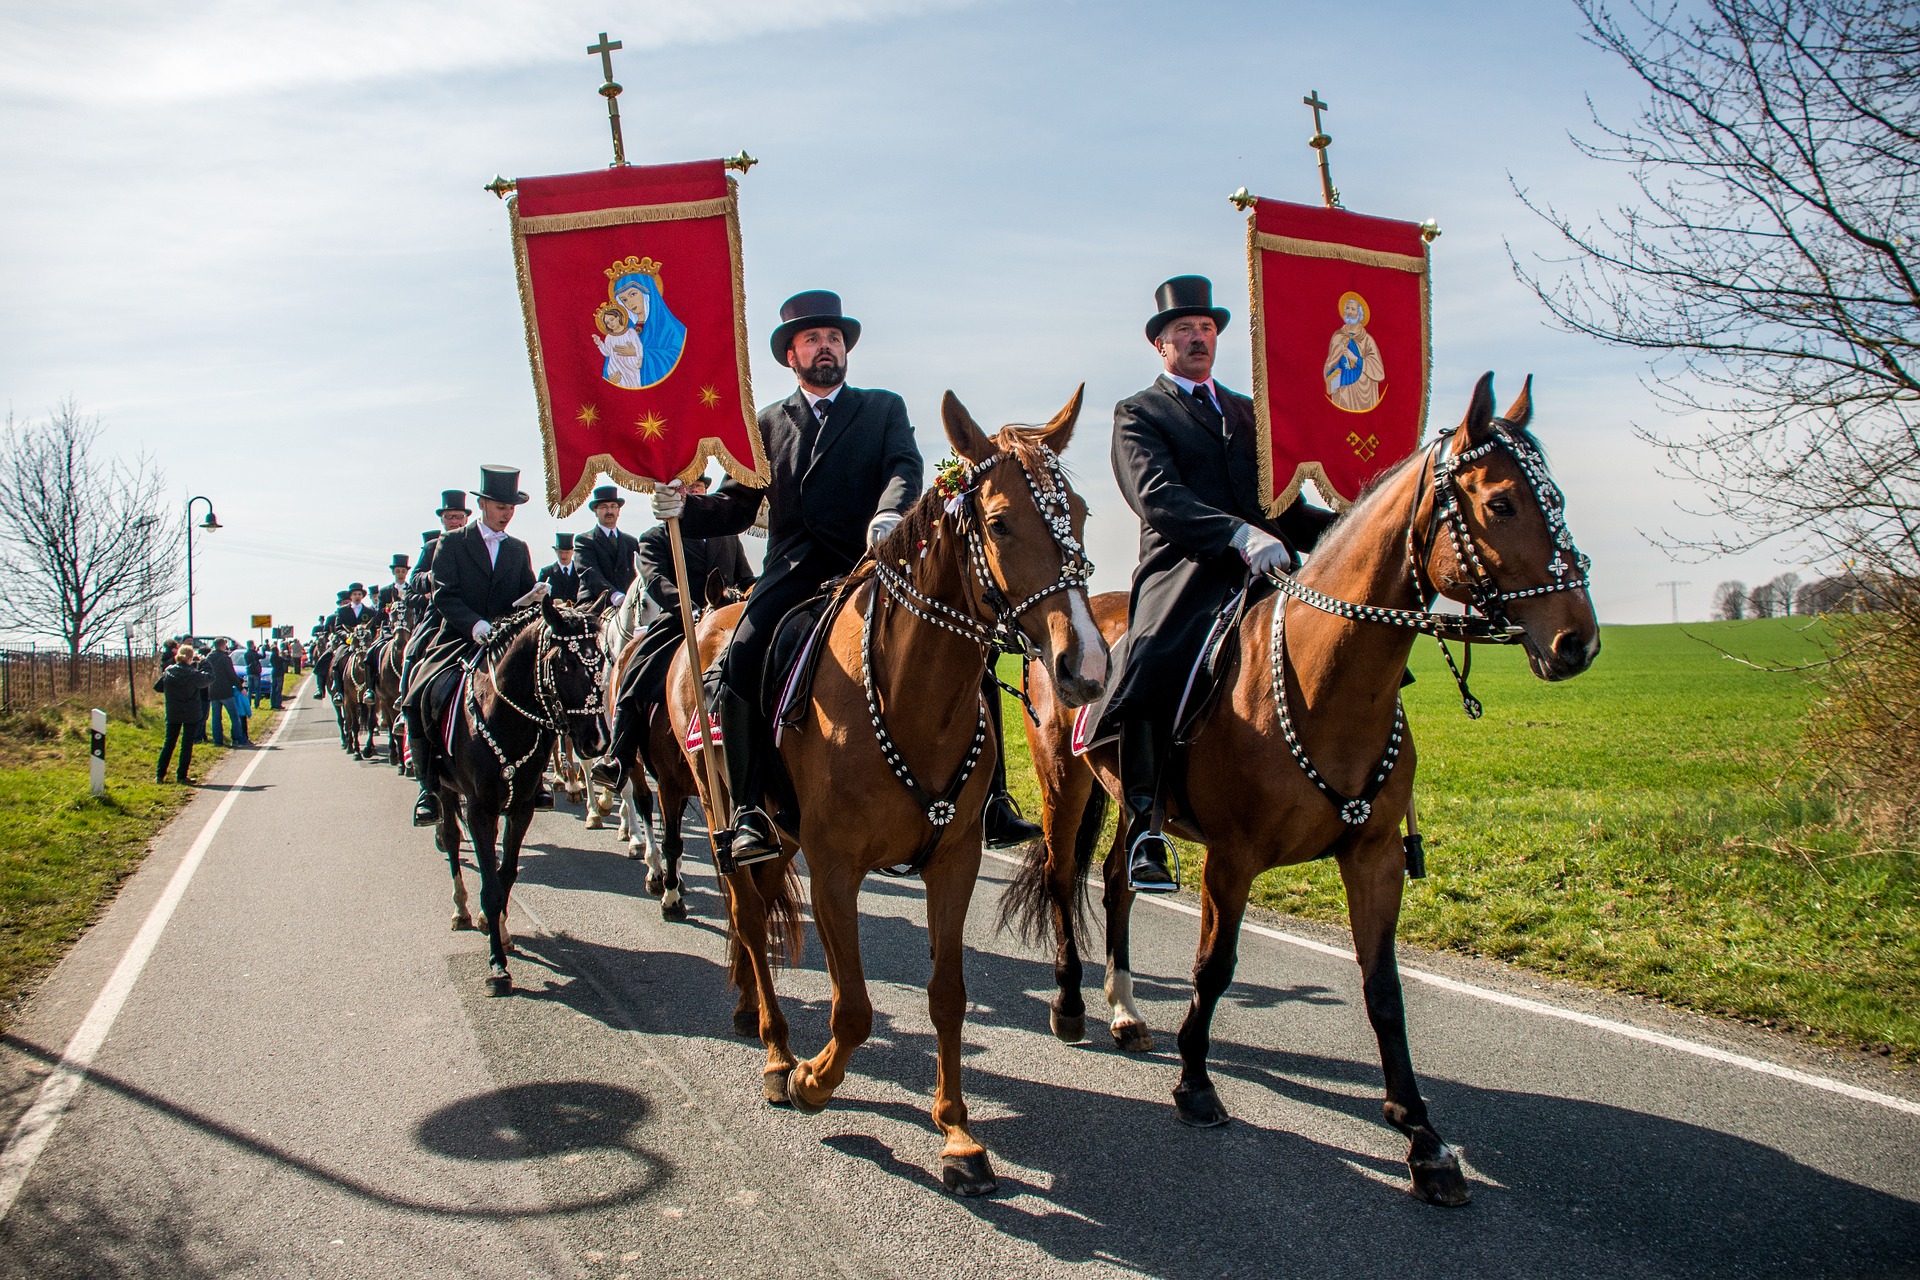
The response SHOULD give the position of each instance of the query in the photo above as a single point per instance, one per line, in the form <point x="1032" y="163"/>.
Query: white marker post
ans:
<point x="97" y="767"/>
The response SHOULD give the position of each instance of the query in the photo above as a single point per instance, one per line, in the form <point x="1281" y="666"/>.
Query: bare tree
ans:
<point x="85" y="545"/>
<point x="1784" y="588"/>
<point x="1762" y="602"/>
<point x="1767" y="263"/>
<point x="1730" y="602"/>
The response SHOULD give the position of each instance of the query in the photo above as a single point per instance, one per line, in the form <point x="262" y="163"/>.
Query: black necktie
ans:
<point x="810" y="430"/>
<point x="1208" y="410"/>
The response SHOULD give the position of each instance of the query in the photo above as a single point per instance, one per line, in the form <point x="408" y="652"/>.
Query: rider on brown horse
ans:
<point x="1184" y="452"/>
<point x="480" y="573"/>
<point x="845" y="466"/>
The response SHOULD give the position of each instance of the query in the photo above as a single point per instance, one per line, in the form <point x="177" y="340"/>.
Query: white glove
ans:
<point x="880" y="526"/>
<point x="668" y="501"/>
<point x="1263" y="552"/>
<point x="619" y="598"/>
<point x="481" y="630"/>
<point x="539" y="592"/>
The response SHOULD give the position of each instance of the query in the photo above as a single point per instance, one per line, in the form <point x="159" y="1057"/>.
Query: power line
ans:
<point x="1674" y="591"/>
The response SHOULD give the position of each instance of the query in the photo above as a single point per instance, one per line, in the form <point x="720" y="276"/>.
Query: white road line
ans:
<point x="29" y="1137"/>
<point x="1609" y="1025"/>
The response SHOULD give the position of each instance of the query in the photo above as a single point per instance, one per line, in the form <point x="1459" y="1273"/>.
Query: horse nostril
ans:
<point x="1568" y="647"/>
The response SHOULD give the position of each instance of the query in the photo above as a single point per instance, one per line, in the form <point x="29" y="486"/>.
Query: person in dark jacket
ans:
<point x="183" y="683"/>
<point x="391" y="593"/>
<point x="605" y="548"/>
<point x="355" y="611"/>
<point x="453" y="515"/>
<point x="845" y="469"/>
<point x="223" y="681"/>
<point x="480" y="573"/>
<point x="1185" y="454"/>
<point x="569" y="580"/>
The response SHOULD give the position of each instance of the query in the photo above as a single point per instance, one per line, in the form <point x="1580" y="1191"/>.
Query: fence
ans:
<point x="31" y="680"/>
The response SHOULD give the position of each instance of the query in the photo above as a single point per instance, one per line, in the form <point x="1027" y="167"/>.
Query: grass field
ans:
<point x="1650" y="828"/>
<point x="64" y="854"/>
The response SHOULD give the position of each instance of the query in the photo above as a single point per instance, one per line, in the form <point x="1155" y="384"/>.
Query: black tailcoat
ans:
<point x="388" y="596"/>
<point x="467" y="587"/>
<point x="704" y="557"/>
<point x="575" y="583"/>
<point x="345" y="619"/>
<point x="1193" y="483"/>
<point x="611" y="556"/>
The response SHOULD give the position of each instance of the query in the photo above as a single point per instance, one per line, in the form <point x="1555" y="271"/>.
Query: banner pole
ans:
<point x="720" y="837"/>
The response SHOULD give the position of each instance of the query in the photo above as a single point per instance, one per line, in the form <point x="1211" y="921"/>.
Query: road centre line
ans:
<point x="1609" y="1025"/>
<point x="34" y="1129"/>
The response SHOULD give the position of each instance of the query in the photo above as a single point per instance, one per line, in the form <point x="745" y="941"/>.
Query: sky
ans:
<point x="252" y="236"/>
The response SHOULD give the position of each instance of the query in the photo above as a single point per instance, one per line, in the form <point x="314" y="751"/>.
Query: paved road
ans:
<point x="307" y="1080"/>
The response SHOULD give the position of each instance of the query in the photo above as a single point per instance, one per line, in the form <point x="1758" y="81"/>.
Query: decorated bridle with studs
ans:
<point x="554" y="711"/>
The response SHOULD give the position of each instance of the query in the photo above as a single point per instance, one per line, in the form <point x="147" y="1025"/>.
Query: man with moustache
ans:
<point x="1185" y="454"/>
<point x="845" y="469"/>
<point x="605" y="549"/>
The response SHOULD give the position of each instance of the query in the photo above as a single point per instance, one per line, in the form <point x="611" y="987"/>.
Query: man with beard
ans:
<point x="845" y="469"/>
<point x="1184" y="452"/>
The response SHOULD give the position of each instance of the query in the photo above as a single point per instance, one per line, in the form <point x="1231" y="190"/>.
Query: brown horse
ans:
<point x="386" y="663"/>
<point x="1328" y="771"/>
<point x="358" y="692"/>
<point x="895" y="732"/>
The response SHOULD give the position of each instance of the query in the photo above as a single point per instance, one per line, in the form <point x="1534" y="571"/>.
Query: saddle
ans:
<point x="1200" y="689"/>
<point x="793" y="657"/>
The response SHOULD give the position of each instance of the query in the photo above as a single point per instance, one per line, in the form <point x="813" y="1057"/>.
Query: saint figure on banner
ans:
<point x="1356" y="377"/>
<point x="640" y="340"/>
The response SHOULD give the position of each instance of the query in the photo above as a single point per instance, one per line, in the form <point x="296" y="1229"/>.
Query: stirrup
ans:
<point x="745" y="855"/>
<point x="609" y="774"/>
<point x="426" y="810"/>
<point x="1140" y="856"/>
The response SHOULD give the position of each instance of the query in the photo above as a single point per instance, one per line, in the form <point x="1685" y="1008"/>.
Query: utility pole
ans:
<point x="1673" y="589"/>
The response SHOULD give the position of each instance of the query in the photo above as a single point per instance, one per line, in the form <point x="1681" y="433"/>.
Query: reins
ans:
<point x="554" y="711"/>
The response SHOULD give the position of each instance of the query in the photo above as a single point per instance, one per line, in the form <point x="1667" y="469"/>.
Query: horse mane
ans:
<point x="1341" y="531"/>
<point x="1021" y="442"/>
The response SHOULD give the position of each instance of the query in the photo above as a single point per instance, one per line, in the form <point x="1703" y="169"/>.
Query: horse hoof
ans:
<point x="1440" y="1180"/>
<point x="774" y="1085"/>
<point x="499" y="981"/>
<point x="1069" y="1027"/>
<point x="634" y="853"/>
<point x="1199" y="1108"/>
<point x="656" y="883"/>
<point x="461" y="920"/>
<point x="968" y="1175"/>
<point x="674" y="912"/>
<point x="798" y="1100"/>
<point x="594" y="822"/>
<point x="1132" y="1037"/>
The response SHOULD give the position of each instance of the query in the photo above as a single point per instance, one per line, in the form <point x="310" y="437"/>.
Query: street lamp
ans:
<point x="209" y="524"/>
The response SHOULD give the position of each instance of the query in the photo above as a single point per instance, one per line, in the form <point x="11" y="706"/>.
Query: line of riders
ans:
<point x="1232" y="697"/>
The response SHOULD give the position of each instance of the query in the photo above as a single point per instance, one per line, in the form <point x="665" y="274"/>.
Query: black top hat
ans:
<point x="431" y="535"/>
<point x="356" y="586"/>
<point x="1185" y="296"/>
<point x="500" y="484"/>
<point x="452" y="500"/>
<point x="812" y="310"/>
<point x="399" y="562"/>
<point x="607" y="493"/>
<point x="563" y="542"/>
<point x="341" y="596"/>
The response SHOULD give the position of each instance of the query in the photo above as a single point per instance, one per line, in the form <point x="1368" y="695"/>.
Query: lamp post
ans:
<point x="209" y="524"/>
<point x="133" y="703"/>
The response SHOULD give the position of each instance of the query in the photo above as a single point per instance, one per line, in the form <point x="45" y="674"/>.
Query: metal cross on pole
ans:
<point x="1320" y="141"/>
<point x="611" y="92"/>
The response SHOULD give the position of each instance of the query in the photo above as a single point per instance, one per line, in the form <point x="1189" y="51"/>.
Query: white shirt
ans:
<point x="493" y="538"/>
<point x="1187" y="385"/>
<point x="814" y="402"/>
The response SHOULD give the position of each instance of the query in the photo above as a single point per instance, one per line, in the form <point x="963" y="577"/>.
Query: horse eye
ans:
<point x="997" y="527"/>
<point x="1503" y="508"/>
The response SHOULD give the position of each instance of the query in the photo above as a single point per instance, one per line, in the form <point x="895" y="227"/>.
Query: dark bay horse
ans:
<point x="536" y="678"/>
<point x="387" y="656"/>
<point x="890" y="760"/>
<point x="1328" y="771"/>
<point x="357" y="692"/>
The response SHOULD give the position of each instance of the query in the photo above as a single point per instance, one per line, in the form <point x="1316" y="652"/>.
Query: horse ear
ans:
<point x="963" y="433"/>
<point x="1520" y="412"/>
<point x="550" y="611"/>
<point x="1479" y="419"/>
<point x="1059" y="432"/>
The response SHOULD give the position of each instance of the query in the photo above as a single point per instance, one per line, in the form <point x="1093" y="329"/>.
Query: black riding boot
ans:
<point x="426" y="809"/>
<point x="741" y="739"/>
<point x="629" y="726"/>
<point x="1152" y="864"/>
<point x="1003" y="826"/>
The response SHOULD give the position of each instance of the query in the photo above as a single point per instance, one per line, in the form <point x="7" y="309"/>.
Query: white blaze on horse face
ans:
<point x="1119" y="991"/>
<point x="1093" y="649"/>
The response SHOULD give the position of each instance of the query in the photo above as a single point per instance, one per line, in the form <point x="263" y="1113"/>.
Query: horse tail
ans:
<point x="786" y="923"/>
<point x="1026" y="904"/>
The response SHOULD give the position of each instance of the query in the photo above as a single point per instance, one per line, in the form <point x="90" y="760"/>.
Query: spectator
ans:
<point x="277" y="668"/>
<point x="225" y="692"/>
<point x="184" y="682"/>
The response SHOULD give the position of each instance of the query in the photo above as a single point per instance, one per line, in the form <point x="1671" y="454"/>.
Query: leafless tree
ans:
<point x="1785" y="588"/>
<point x="1730" y="602"/>
<point x="1762" y="601"/>
<point x="1766" y="263"/>
<point x="85" y="545"/>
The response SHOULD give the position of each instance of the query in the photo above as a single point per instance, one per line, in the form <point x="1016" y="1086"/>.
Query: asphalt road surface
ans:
<point x="307" y="1079"/>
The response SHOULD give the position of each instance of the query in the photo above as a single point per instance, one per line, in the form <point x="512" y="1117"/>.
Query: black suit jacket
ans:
<point x="223" y="679"/>
<point x="1193" y="482"/>
<point x="468" y="587"/>
<point x="576" y="583"/>
<point x="705" y="557"/>
<point x="611" y="557"/>
<point x="388" y="596"/>
<point x="864" y="462"/>
<point x="345" y="619"/>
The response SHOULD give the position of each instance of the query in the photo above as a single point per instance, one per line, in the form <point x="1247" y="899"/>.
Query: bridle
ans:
<point x="961" y="483"/>
<point x="1491" y="626"/>
<point x="553" y="710"/>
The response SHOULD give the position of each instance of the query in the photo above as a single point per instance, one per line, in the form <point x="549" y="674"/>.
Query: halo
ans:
<point x="614" y="309"/>
<point x="1366" y="312"/>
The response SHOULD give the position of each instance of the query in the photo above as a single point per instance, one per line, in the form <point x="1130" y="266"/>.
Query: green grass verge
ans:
<point x="1647" y="828"/>
<point x="63" y="853"/>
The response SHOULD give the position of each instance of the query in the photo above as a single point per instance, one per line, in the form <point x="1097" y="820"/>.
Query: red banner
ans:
<point x="635" y="307"/>
<point x="1340" y="347"/>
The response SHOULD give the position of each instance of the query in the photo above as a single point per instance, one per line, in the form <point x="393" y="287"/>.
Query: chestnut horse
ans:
<point x="890" y="759"/>
<point x="358" y="692"/>
<point x="1328" y="771"/>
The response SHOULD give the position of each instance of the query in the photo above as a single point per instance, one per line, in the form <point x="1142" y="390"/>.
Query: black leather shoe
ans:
<point x="1152" y="864"/>
<point x="426" y="810"/>
<point x="754" y="839"/>
<point x="543" y="797"/>
<point x="1004" y="826"/>
<point x="610" y="774"/>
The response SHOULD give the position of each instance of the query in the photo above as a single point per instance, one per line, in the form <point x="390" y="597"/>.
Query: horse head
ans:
<point x="1029" y="528"/>
<point x="1497" y="537"/>
<point x="572" y="666"/>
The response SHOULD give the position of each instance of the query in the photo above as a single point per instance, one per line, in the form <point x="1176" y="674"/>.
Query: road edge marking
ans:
<point x="36" y="1127"/>
<point x="1611" y="1026"/>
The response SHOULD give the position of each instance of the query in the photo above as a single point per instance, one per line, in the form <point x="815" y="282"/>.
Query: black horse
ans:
<point x="537" y="676"/>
